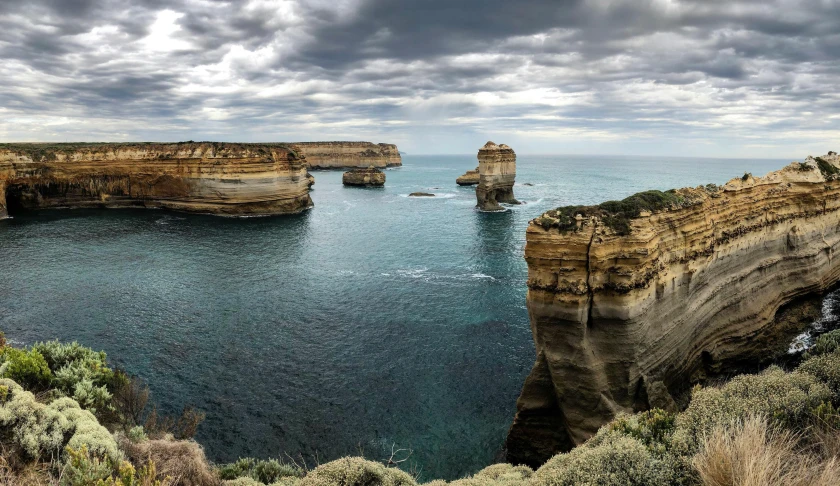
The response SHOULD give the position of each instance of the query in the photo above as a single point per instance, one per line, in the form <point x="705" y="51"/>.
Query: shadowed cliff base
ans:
<point x="228" y="179"/>
<point x="632" y="302"/>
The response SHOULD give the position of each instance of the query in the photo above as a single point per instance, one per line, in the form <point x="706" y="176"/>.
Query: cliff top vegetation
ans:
<point x="68" y="418"/>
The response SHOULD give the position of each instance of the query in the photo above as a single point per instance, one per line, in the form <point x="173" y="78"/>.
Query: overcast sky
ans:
<point x="740" y="78"/>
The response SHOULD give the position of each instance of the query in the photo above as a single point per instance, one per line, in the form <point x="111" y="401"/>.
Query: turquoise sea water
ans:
<point x="374" y="319"/>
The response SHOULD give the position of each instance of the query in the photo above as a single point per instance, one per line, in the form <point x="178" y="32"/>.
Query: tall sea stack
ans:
<point x="497" y="171"/>
<point x="631" y="302"/>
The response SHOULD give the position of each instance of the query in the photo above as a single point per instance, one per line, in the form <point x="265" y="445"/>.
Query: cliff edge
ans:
<point x="346" y="155"/>
<point x="206" y="177"/>
<point x="633" y="301"/>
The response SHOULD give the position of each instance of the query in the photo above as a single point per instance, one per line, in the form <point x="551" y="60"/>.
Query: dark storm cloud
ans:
<point x="538" y="70"/>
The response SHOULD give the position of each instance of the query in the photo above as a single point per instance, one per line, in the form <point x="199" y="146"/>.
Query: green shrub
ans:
<point x="653" y="428"/>
<point x="354" y="471"/>
<point x="827" y="169"/>
<point x="786" y="398"/>
<point x="826" y="343"/>
<point x="28" y="368"/>
<point x="826" y="368"/>
<point x="84" y="469"/>
<point x="616" y="215"/>
<point x="622" y="461"/>
<point x="266" y="472"/>
<point x="137" y="434"/>
<point x="45" y="430"/>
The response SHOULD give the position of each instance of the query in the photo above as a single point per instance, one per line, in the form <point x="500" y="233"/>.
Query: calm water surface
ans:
<point x="373" y="319"/>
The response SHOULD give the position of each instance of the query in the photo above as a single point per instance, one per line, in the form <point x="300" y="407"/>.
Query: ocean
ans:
<point x="373" y="321"/>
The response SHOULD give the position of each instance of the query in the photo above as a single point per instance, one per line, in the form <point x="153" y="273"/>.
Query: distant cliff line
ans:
<point x="342" y="155"/>
<point x="631" y="302"/>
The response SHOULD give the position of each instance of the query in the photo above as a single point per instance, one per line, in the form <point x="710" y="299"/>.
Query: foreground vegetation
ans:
<point x="67" y="418"/>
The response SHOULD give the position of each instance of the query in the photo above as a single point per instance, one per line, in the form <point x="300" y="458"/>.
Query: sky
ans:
<point x="712" y="78"/>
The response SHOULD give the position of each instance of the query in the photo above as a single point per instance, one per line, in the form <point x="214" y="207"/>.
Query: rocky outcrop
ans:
<point x="370" y="177"/>
<point x="470" y="178"/>
<point x="344" y="155"/>
<point x="631" y="302"/>
<point x="497" y="171"/>
<point x="216" y="178"/>
<point x="421" y="194"/>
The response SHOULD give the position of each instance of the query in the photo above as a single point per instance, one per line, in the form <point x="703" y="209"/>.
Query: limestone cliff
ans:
<point x="342" y="155"/>
<point x="216" y="178"/>
<point x="470" y="178"/>
<point x="633" y="301"/>
<point x="370" y="177"/>
<point x="497" y="171"/>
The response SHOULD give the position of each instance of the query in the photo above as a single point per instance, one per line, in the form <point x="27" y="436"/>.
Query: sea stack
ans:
<point x="497" y="171"/>
<point x="370" y="177"/>
<point x="470" y="178"/>
<point x="633" y="302"/>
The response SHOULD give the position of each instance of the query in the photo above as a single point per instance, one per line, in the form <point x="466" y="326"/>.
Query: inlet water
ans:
<point x="372" y="320"/>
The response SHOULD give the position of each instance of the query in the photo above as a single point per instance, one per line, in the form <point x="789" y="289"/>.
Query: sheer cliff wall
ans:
<point x="340" y="155"/>
<point x="216" y="178"/>
<point x="629" y="306"/>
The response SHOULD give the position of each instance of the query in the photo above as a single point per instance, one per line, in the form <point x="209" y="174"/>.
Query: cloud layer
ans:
<point x="691" y="77"/>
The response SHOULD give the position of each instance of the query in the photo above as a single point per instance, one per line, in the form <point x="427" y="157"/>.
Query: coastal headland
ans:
<point x="632" y="302"/>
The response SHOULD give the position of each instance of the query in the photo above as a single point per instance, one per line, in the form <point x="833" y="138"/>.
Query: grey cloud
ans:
<point x="717" y="69"/>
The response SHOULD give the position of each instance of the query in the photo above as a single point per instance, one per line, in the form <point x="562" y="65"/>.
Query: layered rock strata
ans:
<point x="470" y="178"/>
<point x="216" y="178"/>
<point x="344" y="155"/>
<point x="370" y="177"/>
<point x="632" y="302"/>
<point x="497" y="174"/>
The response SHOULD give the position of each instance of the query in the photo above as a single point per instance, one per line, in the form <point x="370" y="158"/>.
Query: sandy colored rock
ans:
<point x="470" y="178"/>
<point x="345" y="155"/>
<point x="629" y="321"/>
<point x="497" y="174"/>
<point x="215" y="178"/>
<point x="370" y="177"/>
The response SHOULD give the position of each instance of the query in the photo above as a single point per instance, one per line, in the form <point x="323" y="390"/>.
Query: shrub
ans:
<point x="750" y="452"/>
<point x="137" y="434"/>
<point x="616" y="215"/>
<point x="622" y="461"/>
<point x="84" y="469"/>
<point x="828" y="170"/>
<point x="36" y="429"/>
<point x="181" y="460"/>
<point x="505" y="473"/>
<point x="28" y="368"/>
<point x="826" y="343"/>
<point x="785" y="398"/>
<point x="354" y="471"/>
<point x="266" y="472"/>
<point x="826" y="368"/>
<point x="653" y="428"/>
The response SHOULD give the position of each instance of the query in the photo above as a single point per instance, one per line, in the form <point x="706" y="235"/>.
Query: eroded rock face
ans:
<point x="627" y="316"/>
<point x="497" y="171"/>
<point x="343" y="155"/>
<point x="215" y="178"/>
<point x="470" y="178"/>
<point x="370" y="177"/>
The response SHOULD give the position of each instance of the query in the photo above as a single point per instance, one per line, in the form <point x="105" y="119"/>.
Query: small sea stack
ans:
<point x="497" y="174"/>
<point x="370" y="177"/>
<point x="421" y="194"/>
<point x="470" y="178"/>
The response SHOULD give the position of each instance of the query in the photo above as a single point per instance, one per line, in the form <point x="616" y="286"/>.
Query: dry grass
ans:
<point x="14" y="474"/>
<point x="750" y="453"/>
<point x="181" y="460"/>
